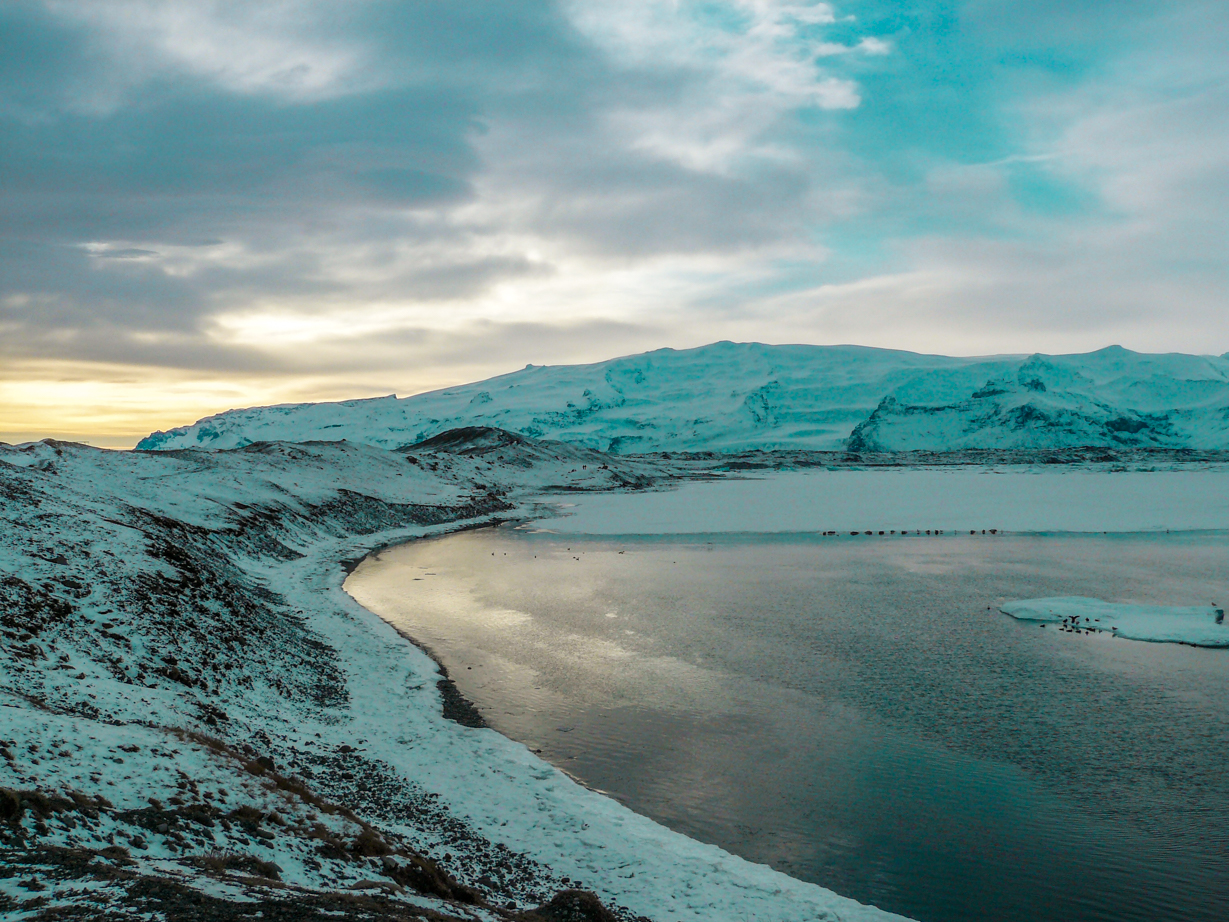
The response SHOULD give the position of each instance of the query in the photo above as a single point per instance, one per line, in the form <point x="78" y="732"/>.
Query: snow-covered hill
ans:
<point x="739" y="396"/>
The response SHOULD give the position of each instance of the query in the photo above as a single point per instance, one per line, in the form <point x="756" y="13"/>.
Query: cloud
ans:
<point x="168" y="124"/>
<point x="105" y="251"/>
<point x="737" y="70"/>
<point x="266" y="48"/>
<point x="432" y="190"/>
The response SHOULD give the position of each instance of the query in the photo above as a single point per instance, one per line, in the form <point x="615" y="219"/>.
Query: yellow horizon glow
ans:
<point x="115" y="406"/>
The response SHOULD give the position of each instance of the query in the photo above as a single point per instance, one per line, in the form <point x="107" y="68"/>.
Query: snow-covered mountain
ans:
<point x="741" y="396"/>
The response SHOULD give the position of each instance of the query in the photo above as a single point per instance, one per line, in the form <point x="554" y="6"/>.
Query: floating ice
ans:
<point x="1200" y="626"/>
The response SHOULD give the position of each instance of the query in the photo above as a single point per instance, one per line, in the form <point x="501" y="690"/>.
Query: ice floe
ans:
<point x="1199" y="625"/>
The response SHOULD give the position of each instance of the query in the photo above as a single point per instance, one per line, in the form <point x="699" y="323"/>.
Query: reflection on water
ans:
<point x="855" y="711"/>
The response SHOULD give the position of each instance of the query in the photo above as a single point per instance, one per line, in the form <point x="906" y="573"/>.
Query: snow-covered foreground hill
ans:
<point x="197" y="722"/>
<point x="740" y="396"/>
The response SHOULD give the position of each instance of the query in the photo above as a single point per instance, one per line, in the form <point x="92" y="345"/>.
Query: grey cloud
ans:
<point x="413" y="359"/>
<point x="107" y="343"/>
<point x="70" y="293"/>
<point x="601" y="198"/>
<point x="353" y="177"/>
<point x="124" y="253"/>
<point x="445" y="281"/>
<point x="43" y="60"/>
<point x="464" y="128"/>
<point x="408" y="187"/>
<point x="407" y="359"/>
<point x="187" y="157"/>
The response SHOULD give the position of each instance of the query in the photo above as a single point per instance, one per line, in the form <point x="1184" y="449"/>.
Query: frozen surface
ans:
<point x="1045" y="499"/>
<point x="1200" y="626"/>
<point x="740" y="396"/>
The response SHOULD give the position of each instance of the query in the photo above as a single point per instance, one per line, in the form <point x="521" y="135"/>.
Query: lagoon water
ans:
<point x="855" y="711"/>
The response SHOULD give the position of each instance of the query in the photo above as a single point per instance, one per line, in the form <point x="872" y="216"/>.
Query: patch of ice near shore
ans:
<point x="953" y="500"/>
<point x="1200" y="626"/>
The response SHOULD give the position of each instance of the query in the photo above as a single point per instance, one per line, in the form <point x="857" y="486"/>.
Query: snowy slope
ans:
<point x="194" y="715"/>
<point x="739" y="396"/>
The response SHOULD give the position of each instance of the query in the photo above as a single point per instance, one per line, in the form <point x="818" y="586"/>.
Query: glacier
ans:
<point x="732" y="397"/>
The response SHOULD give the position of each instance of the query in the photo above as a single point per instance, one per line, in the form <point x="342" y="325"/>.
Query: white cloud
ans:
<point x="872" y="46"/>
<point x="740" y="73"/>
<point x="267" y="47"/>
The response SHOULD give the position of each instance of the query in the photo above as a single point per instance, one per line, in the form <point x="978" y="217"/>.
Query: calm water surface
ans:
<point x="855" y="711"/>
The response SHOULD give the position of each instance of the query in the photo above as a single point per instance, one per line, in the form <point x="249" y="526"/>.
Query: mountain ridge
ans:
<point x="731" y="397"/>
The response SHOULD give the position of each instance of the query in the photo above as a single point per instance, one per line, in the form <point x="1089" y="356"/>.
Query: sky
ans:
<point x="206" y="204"/>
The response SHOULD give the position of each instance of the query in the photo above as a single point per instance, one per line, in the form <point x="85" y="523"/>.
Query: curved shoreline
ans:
<point x="732" y="887"/>
<point x="455" y="705"/>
